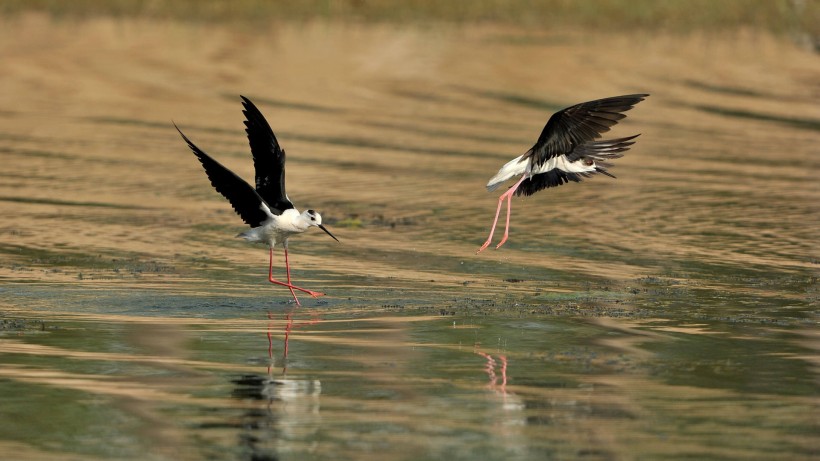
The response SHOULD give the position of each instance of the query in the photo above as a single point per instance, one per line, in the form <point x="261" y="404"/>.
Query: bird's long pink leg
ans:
<point x="292" y="287"/>
<point x="508" y="196"/>
<point x="509" y="211"/>
<point x="492" y="229"/>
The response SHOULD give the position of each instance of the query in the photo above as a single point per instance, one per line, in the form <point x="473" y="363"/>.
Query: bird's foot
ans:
<point x="487" y="243"/>
<point x="503" y="241"/>
<point x="314" y="294"/>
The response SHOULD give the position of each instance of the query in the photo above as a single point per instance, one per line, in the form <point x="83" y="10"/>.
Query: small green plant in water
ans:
<point x="350" y="223"/>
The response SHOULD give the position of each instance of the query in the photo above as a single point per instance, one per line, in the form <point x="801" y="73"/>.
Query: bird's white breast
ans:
<point x="290" y="221"/>
<point x="277" y="228"/>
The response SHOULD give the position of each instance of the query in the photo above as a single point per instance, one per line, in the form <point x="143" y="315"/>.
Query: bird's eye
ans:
<point x="311" y="212"/>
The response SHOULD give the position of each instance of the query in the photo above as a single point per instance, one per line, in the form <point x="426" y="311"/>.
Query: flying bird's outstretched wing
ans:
<point x="247" y="203"/>
<point x="579" y="124"/>
<point x="268" y="159"/>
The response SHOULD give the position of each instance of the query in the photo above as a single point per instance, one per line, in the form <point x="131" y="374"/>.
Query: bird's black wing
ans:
<point x="244" y="199"/>
<point x="268" y="159"/>
<point x="551" y="178"/>
<point x="579" y="124"/>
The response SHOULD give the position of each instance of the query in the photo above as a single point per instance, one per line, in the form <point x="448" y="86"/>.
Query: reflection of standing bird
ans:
<point x="267" y="209"/>
<point x="566" y="151"/>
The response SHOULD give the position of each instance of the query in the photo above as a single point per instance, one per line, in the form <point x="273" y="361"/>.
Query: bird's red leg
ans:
<point x="293" y="287"/>
<point x="508" y="196"/>
<point x="287" y="269"/>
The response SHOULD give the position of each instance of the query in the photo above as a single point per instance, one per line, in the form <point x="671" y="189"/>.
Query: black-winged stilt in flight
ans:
<point x="566" y="151"/>
<point x="267" y="209"/>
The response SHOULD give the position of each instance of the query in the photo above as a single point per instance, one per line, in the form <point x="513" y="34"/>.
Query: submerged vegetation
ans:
<point x="779" y="16"/>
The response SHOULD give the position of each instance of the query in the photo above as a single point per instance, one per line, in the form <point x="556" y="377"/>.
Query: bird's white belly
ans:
<point x="276" y="229"/>
<point x="277" y="232"/>
<point x="563" y="164"/>
<point x="516" y="167"/>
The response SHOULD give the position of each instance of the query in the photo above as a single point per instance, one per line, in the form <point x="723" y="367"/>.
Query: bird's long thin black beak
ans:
<point x="328" y="232"/>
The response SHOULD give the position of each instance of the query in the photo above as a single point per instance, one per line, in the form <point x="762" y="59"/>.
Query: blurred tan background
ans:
<point x="394" y="114"/>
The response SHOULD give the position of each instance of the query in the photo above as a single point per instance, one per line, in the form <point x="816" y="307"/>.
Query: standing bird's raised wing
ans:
<point x="268" y="159"/>
<point x="244" y="199"/>
<point x="579" y="124"/>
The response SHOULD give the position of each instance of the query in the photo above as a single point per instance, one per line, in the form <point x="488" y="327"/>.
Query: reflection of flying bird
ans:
<point x="267" y="209"/>
<point x="566" y="151"/>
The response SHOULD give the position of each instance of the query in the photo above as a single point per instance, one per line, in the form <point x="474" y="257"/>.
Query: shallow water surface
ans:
<point x="668" y="314"/>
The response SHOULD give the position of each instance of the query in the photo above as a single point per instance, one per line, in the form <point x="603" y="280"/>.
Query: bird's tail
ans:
<point x="511" y="169"/>
<point x="251" y="235"/>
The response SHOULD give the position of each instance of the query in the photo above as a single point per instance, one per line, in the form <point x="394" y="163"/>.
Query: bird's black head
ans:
<point x="315" y="219"/>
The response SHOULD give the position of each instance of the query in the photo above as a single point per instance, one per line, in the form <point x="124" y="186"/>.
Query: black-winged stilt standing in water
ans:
<point x="566" y="151"/>
<point x="267" y="208"/>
